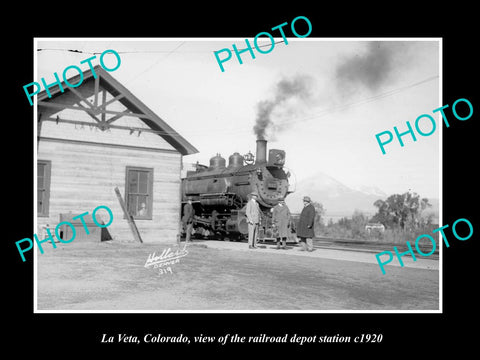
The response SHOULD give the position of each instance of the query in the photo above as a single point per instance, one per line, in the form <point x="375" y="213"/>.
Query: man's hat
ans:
<point x="307" y="198"/>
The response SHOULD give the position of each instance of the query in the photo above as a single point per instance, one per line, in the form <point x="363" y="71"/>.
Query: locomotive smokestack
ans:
<point x="261" y="157"/>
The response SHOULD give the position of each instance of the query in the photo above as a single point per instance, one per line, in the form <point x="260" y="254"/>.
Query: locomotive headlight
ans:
<point x="279" y="159"/>
<point x="276" y="158"/>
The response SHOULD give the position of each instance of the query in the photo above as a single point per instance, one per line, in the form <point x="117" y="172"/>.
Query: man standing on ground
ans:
<point x="187" y="219"/>
<point x="305" y="225"/>
<point x="281" y="223"/>
<point x="253" y="218"/>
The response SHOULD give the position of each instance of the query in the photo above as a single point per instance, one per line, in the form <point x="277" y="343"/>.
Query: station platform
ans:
<point x="347" y="254"/>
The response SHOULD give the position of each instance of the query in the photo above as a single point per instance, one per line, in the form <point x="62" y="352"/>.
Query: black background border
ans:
<point x="61" y="334"/>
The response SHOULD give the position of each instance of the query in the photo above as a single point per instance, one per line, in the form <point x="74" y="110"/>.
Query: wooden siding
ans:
<point x="84" y="175"/>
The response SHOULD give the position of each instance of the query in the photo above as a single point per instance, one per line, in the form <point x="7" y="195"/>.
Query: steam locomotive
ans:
<point x="219" y="193"/>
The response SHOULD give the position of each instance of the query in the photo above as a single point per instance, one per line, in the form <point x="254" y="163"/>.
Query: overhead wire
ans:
<point x="142" y="51"/>
<point x="323" y="113"/>
<point x="333" y="109"/>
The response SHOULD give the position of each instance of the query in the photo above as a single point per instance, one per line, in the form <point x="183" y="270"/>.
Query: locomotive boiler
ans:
<point x="219" y="192"/>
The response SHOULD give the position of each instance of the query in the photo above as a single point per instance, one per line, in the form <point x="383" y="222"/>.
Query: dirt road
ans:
<point x="111" y="276"/>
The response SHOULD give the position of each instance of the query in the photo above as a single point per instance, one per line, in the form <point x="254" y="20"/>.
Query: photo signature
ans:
<point x="167" y="257"/>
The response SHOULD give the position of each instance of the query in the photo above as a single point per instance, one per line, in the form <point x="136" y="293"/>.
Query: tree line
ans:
<point x="402" y="215"/>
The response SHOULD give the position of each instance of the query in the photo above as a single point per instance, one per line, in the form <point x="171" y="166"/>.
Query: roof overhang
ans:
<point x="121" y="94"/>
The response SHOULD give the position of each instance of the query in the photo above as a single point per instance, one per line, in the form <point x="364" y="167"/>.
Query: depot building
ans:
<point x="98" y="144"/>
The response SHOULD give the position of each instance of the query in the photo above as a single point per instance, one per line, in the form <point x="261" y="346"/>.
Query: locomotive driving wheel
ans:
<point x="238" y="202"/>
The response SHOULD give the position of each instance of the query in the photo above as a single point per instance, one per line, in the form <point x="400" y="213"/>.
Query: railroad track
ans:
<point x="348" y="245"/>
<point x="364" y="246"/>
<point x="369" y="247"/>
<point x="354" y="245"/>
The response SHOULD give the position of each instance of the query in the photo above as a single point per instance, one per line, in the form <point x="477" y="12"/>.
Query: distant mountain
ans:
<point x="340" y="200"/>
<point x="371" y="190"/>
<point x="337" y="198"/>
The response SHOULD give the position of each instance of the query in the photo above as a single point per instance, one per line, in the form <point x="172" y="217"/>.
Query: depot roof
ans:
<point x="125" y="97"/>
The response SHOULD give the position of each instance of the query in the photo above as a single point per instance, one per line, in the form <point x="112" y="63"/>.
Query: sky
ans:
<point x="321" y="100"/>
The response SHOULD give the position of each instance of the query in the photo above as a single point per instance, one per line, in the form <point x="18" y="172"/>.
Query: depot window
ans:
<point x="139" y="192"/>
<point x="43" y="187"/>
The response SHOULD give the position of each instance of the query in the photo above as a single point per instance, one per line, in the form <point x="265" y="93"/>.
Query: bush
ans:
<point x="354" y="229"/>
<point x="399" y="236"/>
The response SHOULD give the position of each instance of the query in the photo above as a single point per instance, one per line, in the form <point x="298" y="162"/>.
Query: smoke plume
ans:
<point x="285" y="90"/>
<point x="371" y="69"/>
